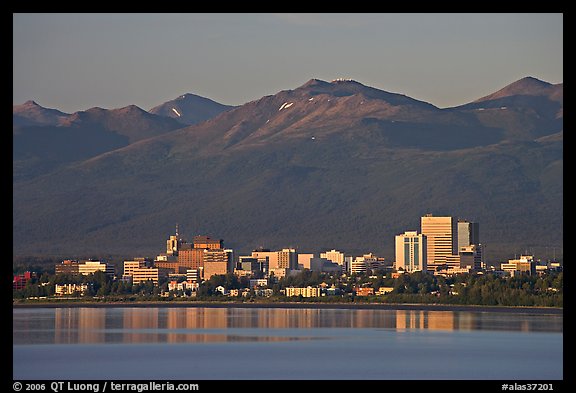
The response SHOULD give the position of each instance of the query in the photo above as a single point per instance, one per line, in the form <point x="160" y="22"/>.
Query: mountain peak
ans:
<point x="190" y="108"/>
<point x="528" y="86"/>
<point x="31" y="113"/>
<point x="343" y="87"/>
<point x="314" y="83"/>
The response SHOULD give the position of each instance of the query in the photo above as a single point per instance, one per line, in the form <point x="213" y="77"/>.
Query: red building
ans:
<point x="364" y="291"/>
<point x="19" y="281"/>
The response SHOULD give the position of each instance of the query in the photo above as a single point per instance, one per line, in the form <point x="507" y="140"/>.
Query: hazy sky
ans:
<point x="74" y="62"/>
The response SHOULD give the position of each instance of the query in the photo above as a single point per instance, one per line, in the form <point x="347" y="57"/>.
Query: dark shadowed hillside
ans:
<point x="328" y="164"/>
<point x="41" y="148"/>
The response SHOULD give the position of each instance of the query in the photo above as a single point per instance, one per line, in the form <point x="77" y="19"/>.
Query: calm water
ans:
<point x="279" y="343"/>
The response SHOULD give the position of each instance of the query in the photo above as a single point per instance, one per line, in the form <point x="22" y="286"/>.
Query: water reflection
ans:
<point x="187" y="325"/>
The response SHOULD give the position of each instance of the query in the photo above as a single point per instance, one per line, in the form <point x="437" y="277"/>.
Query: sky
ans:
<point x="74" y="62"/>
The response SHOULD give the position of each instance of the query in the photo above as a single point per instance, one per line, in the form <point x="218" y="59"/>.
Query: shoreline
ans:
<point x="299" y="305"/>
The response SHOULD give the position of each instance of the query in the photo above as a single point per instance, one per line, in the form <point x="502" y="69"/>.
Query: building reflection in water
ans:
<point x="433" y="320"/>
<point x="182" y="325"/>
<point x="79" y="325"/>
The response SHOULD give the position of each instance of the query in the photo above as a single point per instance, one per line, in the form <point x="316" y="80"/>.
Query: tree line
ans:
<point x="418" y="287"/>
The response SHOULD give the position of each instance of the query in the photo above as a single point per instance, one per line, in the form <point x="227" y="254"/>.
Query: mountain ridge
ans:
<point x="327" y="164"/>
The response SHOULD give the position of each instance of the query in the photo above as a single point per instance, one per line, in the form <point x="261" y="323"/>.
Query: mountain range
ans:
<point x="327" y="164"/>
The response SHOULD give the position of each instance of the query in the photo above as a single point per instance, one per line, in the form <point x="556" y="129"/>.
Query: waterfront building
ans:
<point x="305" y="292"/>
<point x="69" y="289"/>
<point x="364" y="291"/>
<point x="411" y="252"/>
<point x="384" y="290"/>
<point x="19" y="281"/>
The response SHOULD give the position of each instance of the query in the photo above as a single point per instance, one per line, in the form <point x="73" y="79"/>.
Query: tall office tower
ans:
<point x="190" y="258"/>
<point x="441" y="237"/>
<point x="287" y="259"/>
<point x="216" y="262"/>
<point x="172" y="244"/>
<point x="468" y="233"/>
<point x="411" y="251"/>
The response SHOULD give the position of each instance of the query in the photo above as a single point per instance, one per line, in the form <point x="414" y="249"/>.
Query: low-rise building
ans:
<point x="220" y="289"/>
<point x="525" y="265"/>
<point x="258" y="282"/>
<point x="182" y="286"/>
<point x="234" y="292"/>
<point x="69" y="289"/>
<point x="384" y="290"/>
<point x="324" y="265"/>
<point x="91" y="266"/>
<point x="19" y="281"/>
<point x="67" y="266"/>
<point x="135" y="263"/>
<point x="143" y="274"/>
<point x="305" y="292"/>
<point x="364" y="291"/>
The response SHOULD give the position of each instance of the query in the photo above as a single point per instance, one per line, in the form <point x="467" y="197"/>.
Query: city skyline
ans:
<point x="69" y="62"/>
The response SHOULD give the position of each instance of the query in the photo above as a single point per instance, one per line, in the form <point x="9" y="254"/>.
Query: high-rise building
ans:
<point x="334" y="256"/>
<point x="287" y="259"/>
<point x="468" y="233"/>
<point x="360" y="265"/>
<point x="471" y="257"/>
<point x="172" y="245"/>
<point x="190" y="258"/>
<point x="266" y="258"/>
<point x="411" y="252"/>
<point x="304" y="261"/>
<point x="217" y="262"/>
<point x="207" y="242"/>
<point x="441" y="238"/>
